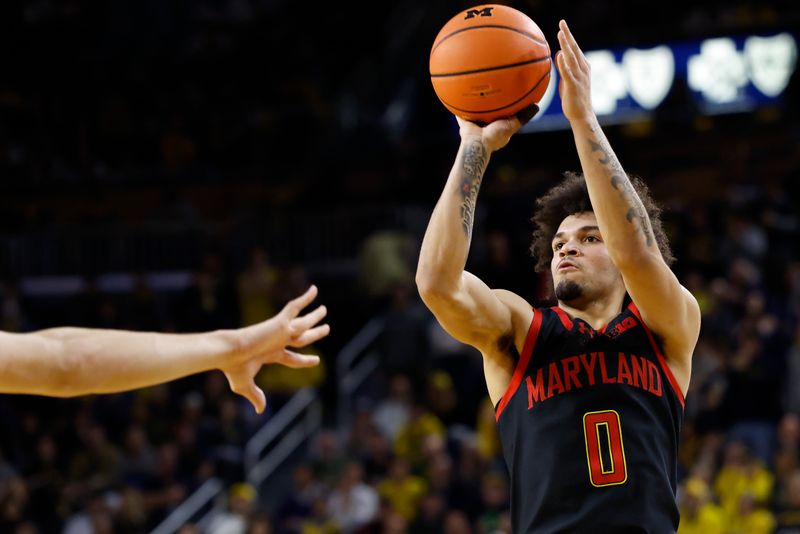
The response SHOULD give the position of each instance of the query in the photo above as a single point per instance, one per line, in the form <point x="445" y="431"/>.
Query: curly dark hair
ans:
<point x="570" y="197"/>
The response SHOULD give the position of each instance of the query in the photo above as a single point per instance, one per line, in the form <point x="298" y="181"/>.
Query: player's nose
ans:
<point x="570" y="248"/>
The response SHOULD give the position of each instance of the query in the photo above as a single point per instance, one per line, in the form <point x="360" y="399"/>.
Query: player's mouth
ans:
<point x="567" y="265"/>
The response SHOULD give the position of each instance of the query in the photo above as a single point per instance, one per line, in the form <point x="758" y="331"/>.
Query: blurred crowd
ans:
<point x="249" y="145"/>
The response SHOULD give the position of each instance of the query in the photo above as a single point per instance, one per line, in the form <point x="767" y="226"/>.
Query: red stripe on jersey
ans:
<point x="565" y="319"/>
<point x="522" y="364"/>
<point x="661" y="359"/>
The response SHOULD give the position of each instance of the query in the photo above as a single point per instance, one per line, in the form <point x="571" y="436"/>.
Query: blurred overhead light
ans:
<point x="650" y="74"/>
<point x="770" y="62"/>
<point x="718" y="71"/>
<point x="608" y="81"/>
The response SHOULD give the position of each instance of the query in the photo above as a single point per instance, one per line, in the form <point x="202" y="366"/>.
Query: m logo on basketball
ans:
<point x="485" y="12"/>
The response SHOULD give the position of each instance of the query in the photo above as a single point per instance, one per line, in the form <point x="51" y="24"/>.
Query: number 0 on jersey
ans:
<point x="605" y="453"/>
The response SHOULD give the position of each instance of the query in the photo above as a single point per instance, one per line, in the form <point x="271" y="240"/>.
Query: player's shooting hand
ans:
<point x="268" y="342"/>
<point x="575" y="77"/>
<point x="494" y="136"/>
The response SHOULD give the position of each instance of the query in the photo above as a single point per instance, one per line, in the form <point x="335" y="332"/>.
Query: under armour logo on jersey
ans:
<point x="485" y="12"/>
<point x="583" y="329"/>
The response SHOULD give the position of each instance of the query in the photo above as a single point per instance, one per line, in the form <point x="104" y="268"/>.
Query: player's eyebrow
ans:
<point x="582" y="229"/>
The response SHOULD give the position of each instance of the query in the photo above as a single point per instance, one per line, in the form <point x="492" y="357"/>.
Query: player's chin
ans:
<point x="566" y="274"/>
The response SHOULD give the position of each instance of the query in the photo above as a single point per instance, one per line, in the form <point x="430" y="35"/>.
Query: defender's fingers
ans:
<point x="294" y="306"/>
<point x="311" y="336"/>
<point x="300" y="324"/>
<point x="298" y="361"/>
<point x="252" y="393"/>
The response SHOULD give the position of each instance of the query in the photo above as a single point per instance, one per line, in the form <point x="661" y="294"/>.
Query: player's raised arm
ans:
<point x="668" y="308"/>
<point x="67" y="361"/>
<point x="468" y="309"/>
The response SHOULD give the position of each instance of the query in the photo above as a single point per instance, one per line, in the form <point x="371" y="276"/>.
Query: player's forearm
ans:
<point x="621" y="216"/>
<point x="445" y="246"/>
<point x="77" y="361"/>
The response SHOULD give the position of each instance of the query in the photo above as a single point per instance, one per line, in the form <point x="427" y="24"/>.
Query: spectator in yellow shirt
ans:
<point x="410" y="439"/>
<point x="750" y="518"/>
<point x="402" y="489"/>
<point x="742" y="473"/>
<point x="699" y="514"/>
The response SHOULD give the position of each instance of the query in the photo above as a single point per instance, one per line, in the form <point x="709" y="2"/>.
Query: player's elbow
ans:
<point x="431" y="284"/>
<point x="426" y="285"/>
<point x="68" y="371"/>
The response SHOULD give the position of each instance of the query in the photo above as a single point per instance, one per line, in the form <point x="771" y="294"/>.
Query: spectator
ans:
<point x="750" y="518"/>
<point x="430" y="519"/>
<point x="256" y="288"/>
<point x="699" y="514"/>
<point x="741" y="474"/>
<point x="411" y="437"/>
<point x="299" y="503"/>
<point x="327" y="456"/>
<point x="234" y="520"/>
<point x="456" y="522"/>
<point x="392" y="412"/>
<point x="352" y="503"/>
<point x="788" y="509"/>
<point x="402" y="489"/>
<point x="494" y="492"/>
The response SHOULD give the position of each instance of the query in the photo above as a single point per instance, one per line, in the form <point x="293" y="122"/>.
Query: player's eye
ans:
<point x="591" y="239"/>
<point x="558" y="245"/>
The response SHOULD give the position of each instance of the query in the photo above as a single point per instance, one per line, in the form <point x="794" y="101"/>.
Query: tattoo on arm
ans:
<point x="636" y="215"/>
<point x="473" y="166"/>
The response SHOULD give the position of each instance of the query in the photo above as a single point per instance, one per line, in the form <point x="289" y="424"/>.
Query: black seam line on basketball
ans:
<point x="526" y="34"/>
<point x="503" y="107"/>
<point x="487" y="69"/>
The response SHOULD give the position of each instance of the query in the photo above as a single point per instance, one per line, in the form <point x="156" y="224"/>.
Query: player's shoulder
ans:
<point x="512" y="300"/>
<point x="521" y="310"/>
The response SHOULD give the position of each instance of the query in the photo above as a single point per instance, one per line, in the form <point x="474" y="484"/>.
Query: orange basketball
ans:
<point x="489" y="62"/>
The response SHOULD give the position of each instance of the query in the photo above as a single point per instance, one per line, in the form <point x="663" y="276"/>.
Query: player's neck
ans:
<point x="597" y="312"/>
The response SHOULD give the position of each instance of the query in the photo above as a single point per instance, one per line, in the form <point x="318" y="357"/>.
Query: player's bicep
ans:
<point x="667" y="308"/>
<point x="472" y="313"/>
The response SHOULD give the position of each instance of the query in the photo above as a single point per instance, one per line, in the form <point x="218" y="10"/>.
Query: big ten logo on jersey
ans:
<point x="620" y="327"/>
<point x="472" y="13"/>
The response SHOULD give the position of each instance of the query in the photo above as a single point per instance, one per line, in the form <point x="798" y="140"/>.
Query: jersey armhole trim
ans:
<point x="522" y="364"/>
<point x="661" y="359"/>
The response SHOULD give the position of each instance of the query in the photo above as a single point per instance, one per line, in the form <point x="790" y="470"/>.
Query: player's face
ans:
<point x="581" y="266"/>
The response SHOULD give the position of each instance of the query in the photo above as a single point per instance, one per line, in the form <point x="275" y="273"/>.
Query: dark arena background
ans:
<point x="183" y="166"/>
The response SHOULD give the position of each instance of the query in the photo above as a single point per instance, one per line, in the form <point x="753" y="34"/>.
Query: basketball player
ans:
<point x="65" y="362"/>
<point x="588" y="393"/>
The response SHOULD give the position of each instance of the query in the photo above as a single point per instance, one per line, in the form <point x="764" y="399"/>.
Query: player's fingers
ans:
<point x="300" y="324"/>
<point x="251" y="392"/>
<point x="297" y="361"/>
<point x="295" y="305"/>
<point x="311" y="336"/>
<point x="563" y="69"/>
<point x="574" y="46"/>
<point x="568" y="51"/>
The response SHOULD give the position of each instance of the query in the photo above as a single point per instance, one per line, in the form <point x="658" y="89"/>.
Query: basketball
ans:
<point x="489" y="62"/>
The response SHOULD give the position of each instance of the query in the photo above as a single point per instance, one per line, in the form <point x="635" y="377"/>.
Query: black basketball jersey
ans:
<point x="589" y="426"/>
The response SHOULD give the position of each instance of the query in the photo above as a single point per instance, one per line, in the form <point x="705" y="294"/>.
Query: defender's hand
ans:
<point x="267" y="342"/>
